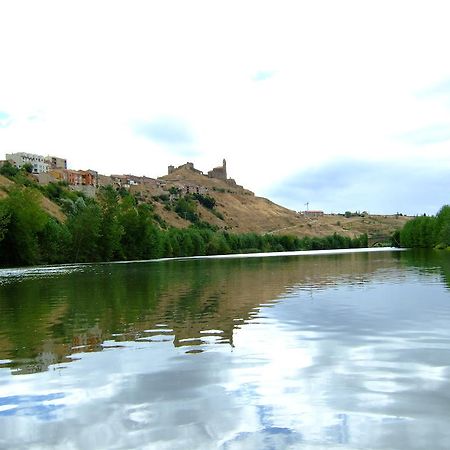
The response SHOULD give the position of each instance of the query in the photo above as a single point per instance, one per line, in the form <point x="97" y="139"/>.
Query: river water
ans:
<point x="324" y="350"/>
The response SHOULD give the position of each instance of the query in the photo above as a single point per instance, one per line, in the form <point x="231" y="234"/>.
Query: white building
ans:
<point x="21" y="158"/>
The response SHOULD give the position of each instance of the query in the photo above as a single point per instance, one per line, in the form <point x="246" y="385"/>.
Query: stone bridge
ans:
<point x="379" y="240"/>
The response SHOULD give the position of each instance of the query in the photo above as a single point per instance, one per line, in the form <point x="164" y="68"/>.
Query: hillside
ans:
<point x="239" y="210"/>
<point x="242" y="211"/>
<point x="47" y="205"/>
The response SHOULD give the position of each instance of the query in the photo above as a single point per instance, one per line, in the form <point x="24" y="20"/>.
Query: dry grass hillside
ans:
<point x="244" y="212"/>
<point x="49" y="207"/>
<point x="239" y="210"/>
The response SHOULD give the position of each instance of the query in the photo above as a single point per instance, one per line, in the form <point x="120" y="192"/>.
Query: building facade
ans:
<point x="80" y="177"/>
<point x="54" y="162"/>
<point x="37" y="162"/>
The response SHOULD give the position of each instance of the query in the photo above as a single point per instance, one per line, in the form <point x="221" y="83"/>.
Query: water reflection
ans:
<point x="336" y="351"/>
<point x="44" y="319"/>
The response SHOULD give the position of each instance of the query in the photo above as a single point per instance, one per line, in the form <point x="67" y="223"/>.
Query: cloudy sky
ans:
<point x="345" y="105"/>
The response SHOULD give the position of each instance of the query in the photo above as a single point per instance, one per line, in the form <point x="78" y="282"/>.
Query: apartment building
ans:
<point x="37" y="162"/>
<point x="55" y="162"/>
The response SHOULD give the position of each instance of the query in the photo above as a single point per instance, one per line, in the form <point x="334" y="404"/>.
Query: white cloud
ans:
<point x="338" y="80"/>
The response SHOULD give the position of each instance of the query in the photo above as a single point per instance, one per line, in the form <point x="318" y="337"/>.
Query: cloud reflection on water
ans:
<point x="352" y="362"/>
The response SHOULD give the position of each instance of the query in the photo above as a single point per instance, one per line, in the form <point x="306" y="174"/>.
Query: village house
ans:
<point x="55" y="162"/>
<point x="312" y="213"/>
<point x="37" y="162"/>
<point x="127" y="181"/>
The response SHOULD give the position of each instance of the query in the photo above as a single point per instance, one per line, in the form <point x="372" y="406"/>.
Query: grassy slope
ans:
<point x="243" y="213"/>
<point x="49" y="207"/>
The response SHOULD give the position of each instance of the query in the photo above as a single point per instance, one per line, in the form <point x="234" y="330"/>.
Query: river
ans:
<point x="316" y="350"/>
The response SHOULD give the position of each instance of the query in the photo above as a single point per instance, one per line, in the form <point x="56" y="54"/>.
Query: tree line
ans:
<point x="117" y="226"/>
<point x="427" y="231"/>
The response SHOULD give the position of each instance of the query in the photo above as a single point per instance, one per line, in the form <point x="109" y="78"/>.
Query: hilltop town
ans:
<point x="52" y="169"/>
<point x="237" y="208"/>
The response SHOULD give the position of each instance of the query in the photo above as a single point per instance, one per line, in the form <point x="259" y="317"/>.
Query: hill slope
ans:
<point x="239" y="210"/>
<point x="242" y="211"/>
<point x="47" y="205"/>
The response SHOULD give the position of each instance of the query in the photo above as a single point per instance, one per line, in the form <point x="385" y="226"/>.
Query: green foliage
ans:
<point x="84" y="226"/>
<point x="443" y="227"/>
<point x="58" y="191"/>
<point x="4" y="220"/>
<point x="54" y="242"/>
<point x="140" y="238"/>
<point x="174" y="190"/>
<point x="427" y="232"/>
<point x="8" y="170"/>
<point x="185" y="207"/>
<point x="206" y="200"/>
<point x="26" y="219"/>
<point x="27" y="168"/>
<point x="419" y="232"/>
<point x="115" y="227"/>
<point x="111" y="229"/>
<point x="23" y="178"/>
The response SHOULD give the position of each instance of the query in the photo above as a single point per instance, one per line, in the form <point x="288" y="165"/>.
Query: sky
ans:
<point x="342" y="105"/>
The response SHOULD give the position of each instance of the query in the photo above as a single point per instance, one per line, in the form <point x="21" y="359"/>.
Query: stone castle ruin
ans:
<point x="188" y="165"/>
<point x="219" y="172"/>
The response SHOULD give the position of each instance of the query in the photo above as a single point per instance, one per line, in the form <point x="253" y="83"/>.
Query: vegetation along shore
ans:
<point x="50" y="224"/>
<point x="427" y="231"/>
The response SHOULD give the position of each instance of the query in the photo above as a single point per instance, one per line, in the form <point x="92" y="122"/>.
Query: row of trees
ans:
<point x="116" y="227"/>
<point x="427" y="231"/>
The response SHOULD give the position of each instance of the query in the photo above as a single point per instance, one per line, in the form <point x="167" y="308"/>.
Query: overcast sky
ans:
<point x="342" y="104"/>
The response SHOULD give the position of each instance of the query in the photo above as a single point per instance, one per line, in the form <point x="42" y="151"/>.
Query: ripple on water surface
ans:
<point x="336" y="351"/>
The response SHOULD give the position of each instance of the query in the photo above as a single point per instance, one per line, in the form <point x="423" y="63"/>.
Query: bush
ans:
<point x="205" y="200"/>
<point x="8" y="170"/>
<point x="186" y="209"/>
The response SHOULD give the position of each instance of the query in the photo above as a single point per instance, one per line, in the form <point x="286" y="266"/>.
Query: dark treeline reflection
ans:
<point x="47" y="316"/>
<point x="429" y="261"/>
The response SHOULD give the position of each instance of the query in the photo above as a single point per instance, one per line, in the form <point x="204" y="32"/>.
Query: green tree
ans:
<point x="199" y="247"/>
<point x="174" y="190"/>
<point x="443" y="227"/>
<point x="8" y="170"/>
<point x="186" y="209"/>
<point x="206" y="200"/>
<point x="419" y="232"/>
<point x="27" y="168"/>
<point x="131" y="240"/>
<point x="4" y="220"/>
<point x="26" y="219"/>
<point x="84" y="226"/>
<point x="111" y="229"/>
<point x="54" y="242"/>
<point x="217" y="245"/>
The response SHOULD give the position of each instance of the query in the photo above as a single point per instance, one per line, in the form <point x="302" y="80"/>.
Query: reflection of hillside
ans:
<point x="43" y="320"/>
